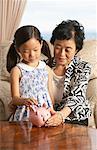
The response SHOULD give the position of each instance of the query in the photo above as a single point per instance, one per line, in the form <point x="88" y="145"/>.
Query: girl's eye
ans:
<point x="35" y="50"/>
<point x="26" y="51"/>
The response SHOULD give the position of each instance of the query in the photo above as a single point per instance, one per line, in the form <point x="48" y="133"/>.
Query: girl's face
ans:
<point x="64" y="51"/>
<point x="30" y="52"/>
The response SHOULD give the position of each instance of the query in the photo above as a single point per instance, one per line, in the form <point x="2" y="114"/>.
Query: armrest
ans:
<point x="5" y="97"/>
<point x="92" y="97"/>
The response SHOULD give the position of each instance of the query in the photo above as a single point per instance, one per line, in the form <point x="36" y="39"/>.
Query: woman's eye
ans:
<point x="58" y="48"/>
<point x="67" y="50"/>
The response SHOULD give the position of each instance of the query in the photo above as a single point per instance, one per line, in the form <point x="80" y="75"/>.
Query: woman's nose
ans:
<point x="63" y="51"/>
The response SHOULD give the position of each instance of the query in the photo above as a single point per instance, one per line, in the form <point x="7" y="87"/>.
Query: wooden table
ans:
<point x="22" y="136"/>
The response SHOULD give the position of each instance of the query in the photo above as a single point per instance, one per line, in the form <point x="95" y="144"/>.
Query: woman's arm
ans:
<point x="76" y="100"/>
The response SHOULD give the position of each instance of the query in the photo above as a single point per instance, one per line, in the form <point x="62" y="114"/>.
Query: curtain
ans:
<point x="11" y="12"/>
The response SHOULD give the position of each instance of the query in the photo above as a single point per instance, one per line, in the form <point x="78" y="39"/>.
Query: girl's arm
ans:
<point x="14" y="79"/>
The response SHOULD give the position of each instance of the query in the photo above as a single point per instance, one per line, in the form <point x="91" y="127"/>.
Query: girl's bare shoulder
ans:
<point x="15" y="71"/>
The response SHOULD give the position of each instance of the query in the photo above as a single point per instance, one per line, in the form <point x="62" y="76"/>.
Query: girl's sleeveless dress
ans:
<point x="33" y="84"/>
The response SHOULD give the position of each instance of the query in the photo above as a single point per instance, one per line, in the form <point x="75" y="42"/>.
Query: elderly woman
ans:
<point x="70" y="75"/>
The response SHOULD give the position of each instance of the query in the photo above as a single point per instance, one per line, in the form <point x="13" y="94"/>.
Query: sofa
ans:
<point x="88" y="53"/>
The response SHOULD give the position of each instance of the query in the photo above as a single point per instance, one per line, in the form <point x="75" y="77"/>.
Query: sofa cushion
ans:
<point x="5" y="98"/>
<point x="92" y="97"/>
<point x="3" y="51"/>
<point x="89" y="54"/>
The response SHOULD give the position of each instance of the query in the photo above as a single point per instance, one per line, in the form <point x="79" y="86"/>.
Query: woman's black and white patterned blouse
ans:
<point x="75" y="86"/>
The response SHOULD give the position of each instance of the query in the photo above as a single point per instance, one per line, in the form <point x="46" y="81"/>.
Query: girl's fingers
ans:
<point x="12" y="107"/>
<point x="33" y="101"/>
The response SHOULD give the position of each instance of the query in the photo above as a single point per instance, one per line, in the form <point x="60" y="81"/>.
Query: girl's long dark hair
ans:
<point x="12" y="58"/>
<point x="46" y="51"/>
<point x="22" y="35"/>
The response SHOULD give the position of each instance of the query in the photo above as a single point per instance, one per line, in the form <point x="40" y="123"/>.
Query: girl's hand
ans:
<point x="30" y="101"/>
<point x="12" y="107"/>
<point x="54" y="120"/>
<point x="25" y="101"/>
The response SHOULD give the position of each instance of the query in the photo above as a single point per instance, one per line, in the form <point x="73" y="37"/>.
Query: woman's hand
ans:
<point x="54" y="120"/>
<point x="52" y="111"/>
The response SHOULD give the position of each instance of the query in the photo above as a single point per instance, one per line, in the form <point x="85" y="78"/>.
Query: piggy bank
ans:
<point x="39" y="115"/>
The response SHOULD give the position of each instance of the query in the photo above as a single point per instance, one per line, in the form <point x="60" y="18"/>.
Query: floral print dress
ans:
<point x="33" y="84"/>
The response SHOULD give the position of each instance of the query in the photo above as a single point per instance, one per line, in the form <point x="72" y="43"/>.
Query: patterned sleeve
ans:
<point x="76" y="99"/>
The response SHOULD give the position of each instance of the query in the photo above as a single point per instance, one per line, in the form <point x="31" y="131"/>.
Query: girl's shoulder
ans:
<point x="42" y="64"/>
<point x="49" y="69"/>
<point x="15" y="71"/>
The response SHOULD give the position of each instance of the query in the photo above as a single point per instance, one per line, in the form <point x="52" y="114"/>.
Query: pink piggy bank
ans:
<point x="39" y="115"/>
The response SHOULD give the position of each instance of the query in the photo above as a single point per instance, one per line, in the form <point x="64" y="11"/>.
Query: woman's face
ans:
<point x="64" y="51"/>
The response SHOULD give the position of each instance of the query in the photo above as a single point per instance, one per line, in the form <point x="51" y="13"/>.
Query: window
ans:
<point x="46" y="14"/>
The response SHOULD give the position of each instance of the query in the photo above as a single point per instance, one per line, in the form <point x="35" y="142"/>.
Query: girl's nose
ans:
<point x="31" y="53"/>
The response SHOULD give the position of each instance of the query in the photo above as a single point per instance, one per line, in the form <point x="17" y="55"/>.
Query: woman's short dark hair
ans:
<point x="67" y="30"/>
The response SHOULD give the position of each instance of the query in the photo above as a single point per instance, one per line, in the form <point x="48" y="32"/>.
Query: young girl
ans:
<point x="30" y="77"/>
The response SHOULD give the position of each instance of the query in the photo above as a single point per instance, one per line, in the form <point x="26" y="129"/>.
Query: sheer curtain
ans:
<point x="11" y="12"/>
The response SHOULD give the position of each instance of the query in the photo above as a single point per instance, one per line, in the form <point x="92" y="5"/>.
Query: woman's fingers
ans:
<point x="55" y="120"/>
<point x="52" y="111"/>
